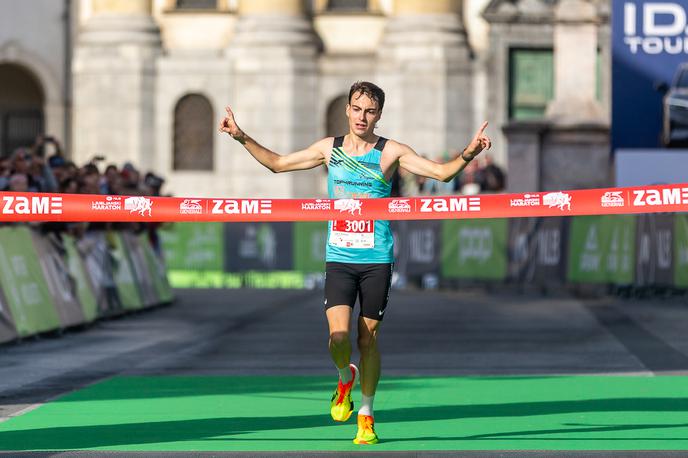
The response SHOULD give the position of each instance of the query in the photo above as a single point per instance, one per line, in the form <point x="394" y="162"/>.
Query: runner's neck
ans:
<point x="359" y="145"/>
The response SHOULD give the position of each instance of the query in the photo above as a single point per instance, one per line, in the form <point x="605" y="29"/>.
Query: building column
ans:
<point x="575" y="64"/>
<point x="425" y="69"/>
<point x="577" y="140"/>
<point x="570" y="148"/>
<point x="114" y="83"/>
<point x="274" y="82"/>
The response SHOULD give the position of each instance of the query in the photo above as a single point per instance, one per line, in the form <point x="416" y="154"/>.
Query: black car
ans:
<point x="675" y="124"/>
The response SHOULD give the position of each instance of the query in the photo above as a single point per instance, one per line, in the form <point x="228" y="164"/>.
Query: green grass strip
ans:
<point x="429" y="413"/>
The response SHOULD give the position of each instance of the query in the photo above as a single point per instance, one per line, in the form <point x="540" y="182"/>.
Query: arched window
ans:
<point x="193" y="134"/>
<point x="21" y="108"/>
<point x="347" y="5"/>
<point x="337" y="122"/>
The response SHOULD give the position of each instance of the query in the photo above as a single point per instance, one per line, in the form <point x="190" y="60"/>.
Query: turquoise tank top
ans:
<point x="351" y="178"/>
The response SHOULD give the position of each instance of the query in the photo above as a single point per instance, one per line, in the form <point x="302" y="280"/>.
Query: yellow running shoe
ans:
<point x="366" y="430"/>
<point x="341" y="405"/>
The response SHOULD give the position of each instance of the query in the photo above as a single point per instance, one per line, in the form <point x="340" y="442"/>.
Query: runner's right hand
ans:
<point x="229" y="126"/>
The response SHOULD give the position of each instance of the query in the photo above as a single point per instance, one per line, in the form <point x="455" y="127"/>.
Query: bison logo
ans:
<point x="557" y="199"/>
<point x="348" y="205"/>
<point x="138" y="204"/>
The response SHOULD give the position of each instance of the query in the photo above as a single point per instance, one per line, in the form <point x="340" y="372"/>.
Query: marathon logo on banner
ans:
<point x="450" y="204"/>
<point x="109" y="203"/>
<point x="655" y="28"/>
<point x="664" y="196"/>
<point x="318" y="204"/>
<point x="528" y="200"/>
<point x="33" y="205"/>
<point x="241" y="207"/>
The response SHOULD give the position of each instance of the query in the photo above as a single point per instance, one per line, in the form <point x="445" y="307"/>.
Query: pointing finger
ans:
<point x="482" y="128"/>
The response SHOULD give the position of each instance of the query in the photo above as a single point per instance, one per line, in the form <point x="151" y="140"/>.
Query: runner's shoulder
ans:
<point x="395" y="148"/>
<point x="323" y="146"/>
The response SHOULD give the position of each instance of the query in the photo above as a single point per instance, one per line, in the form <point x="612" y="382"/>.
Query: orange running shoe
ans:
<point x="341" y="405"/>
<point x="366" y="431"/>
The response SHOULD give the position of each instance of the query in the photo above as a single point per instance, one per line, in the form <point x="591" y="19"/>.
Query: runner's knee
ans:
<point x="367" y="342"/>
<point x="339" y="337"/>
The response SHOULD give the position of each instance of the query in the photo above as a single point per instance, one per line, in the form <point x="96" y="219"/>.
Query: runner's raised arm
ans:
<point x="418" y="165"/>
<point x="311" y="157"/>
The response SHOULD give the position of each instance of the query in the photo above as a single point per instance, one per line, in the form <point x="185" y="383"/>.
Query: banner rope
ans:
<point x="44" y="207"/>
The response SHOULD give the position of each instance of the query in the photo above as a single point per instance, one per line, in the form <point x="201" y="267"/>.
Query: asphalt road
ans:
<point x="279" y="332"/>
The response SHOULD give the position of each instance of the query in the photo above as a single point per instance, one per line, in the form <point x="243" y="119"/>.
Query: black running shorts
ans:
<point x="369" y="282"/>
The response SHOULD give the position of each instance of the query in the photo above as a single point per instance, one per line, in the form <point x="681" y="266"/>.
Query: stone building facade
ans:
<point x="36" y="40"/>
<point x="147" y="81"/>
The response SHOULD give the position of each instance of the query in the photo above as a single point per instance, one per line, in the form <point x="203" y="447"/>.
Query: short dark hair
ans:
<point x="371" y="90"/>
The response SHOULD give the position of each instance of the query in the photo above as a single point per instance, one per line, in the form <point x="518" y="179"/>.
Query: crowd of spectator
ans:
<point x="44" y="168"/>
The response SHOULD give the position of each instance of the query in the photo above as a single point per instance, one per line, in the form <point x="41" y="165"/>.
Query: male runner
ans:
<point x="359" y="255"/>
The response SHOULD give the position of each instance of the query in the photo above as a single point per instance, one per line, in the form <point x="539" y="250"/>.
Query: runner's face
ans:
<point x="363" y="114"/>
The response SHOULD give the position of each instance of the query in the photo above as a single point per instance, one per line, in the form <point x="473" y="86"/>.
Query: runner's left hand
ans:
<point x="479" y="142"/>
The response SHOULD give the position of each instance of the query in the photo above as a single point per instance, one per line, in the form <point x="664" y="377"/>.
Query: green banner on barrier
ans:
<point x="193" y="246"/>
<point x="309" y="246"/>
<point x="76" y="268"/>
<point x="474" y="249"/>
<point x="23" y="282"/>
<point x="125" y="279"/>
<point x="602" y="249"/>
<point x="211" y="279"/>
<point x="157" y="271"/>
<point x="681" y="250"/>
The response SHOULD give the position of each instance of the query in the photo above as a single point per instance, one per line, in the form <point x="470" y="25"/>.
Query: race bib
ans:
<point x="353" y="234"/>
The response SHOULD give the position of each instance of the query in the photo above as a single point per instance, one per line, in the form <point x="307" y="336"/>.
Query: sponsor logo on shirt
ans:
<point x="365" y="184"/>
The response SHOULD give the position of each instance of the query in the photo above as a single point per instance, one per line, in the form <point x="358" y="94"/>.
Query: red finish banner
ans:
<point x="24" y="207"/>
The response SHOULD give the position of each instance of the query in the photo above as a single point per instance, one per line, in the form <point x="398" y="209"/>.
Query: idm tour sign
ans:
<point x="649" y="73"/>
<point x="655" y="28"/>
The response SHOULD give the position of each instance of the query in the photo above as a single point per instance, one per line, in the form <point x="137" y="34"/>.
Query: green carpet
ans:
<point x="292" y="413"/>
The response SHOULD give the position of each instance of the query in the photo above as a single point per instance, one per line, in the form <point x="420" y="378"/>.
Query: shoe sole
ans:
<point x="366" y="442"/>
